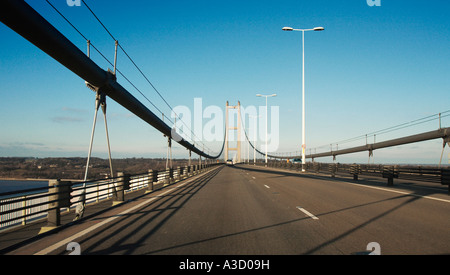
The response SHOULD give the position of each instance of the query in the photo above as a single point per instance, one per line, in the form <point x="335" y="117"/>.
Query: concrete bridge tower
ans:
<point x="229" y="128"/>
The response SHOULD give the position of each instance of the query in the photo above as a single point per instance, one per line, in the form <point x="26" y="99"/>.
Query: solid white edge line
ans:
<point x="307" y="213"/>
<point x="396" y="191"/>
<point x="399" y="192"/>
<point x="94" y="227"/>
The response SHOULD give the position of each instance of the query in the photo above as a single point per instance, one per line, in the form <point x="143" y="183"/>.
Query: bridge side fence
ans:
<point x="389" y="172"/>
<point x="22" y="207"/>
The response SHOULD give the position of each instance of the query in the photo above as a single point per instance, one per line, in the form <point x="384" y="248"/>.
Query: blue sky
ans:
<point x="372" y="68"/>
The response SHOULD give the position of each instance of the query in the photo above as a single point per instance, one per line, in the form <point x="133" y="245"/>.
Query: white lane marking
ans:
<point x="307" y="213"/>
<point x="94" y="227"/>
<point x="267" y="186"/>
<point x="395" y="191"/>
<point x="254" y="178"/>
<point x="399" y="192"/>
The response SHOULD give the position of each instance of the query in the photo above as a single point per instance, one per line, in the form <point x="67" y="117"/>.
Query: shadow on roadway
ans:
<point x="412" y="197"/>
<point x="143" y="223"/>
<point x="399" y="184"/>
<point x="147" y="221"/>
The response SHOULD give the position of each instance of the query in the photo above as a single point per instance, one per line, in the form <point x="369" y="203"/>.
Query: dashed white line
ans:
<point x="267" y="186"/>
<point x="254" y="178"/>
<point x="307" y="213"/>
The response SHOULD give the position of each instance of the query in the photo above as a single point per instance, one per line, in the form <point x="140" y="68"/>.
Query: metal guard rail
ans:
<point x="21" y="207"/>
<point x="389" y="172"/>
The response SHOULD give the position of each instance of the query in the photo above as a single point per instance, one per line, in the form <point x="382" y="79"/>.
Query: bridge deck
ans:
<point x="245" y="210"/>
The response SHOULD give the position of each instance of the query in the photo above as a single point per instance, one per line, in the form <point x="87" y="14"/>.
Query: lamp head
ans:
<point x="288" y="29"/>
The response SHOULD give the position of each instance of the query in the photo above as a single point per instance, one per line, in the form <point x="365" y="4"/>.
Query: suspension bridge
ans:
<point x="248" y="208"/>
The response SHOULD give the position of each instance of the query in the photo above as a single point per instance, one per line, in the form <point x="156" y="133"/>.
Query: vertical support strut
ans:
<point x="89" y="48"/>
<point x="446" y="141"/>
<point x="103" y="104"/>
<point x="169" y="153"/>
<point x="79" y="210"/>
<point x="115" y="56"/>
<point x="100" y="100"/>
<point x="190" y="153"/>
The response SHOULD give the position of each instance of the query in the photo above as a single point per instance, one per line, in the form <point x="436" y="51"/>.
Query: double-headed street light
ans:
<point x="303" y="87"/>
<point x="266" y="96"/>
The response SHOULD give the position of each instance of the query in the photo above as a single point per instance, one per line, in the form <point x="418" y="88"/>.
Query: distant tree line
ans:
<point x="74" y="168"/>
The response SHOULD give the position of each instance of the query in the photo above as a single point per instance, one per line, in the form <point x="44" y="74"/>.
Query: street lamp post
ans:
<point x="266" y="96"/>
<point x="255" y="137"/>
<point x="303" y="88"/>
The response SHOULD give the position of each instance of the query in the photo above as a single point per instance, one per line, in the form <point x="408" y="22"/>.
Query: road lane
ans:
<point x="225" y="213"/>
<point x="351" y="214"/>
<point x="243" y="210"/>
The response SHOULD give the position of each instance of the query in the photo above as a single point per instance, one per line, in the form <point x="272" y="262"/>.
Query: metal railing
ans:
<point x="21" y="207"/>
<point x="389" y="172"/>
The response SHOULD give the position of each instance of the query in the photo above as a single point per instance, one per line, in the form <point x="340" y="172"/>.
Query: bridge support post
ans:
<point x="123" y="183"/>
<point x="354" y="170"/>
<point x="390" y="172"/>
<point x="185" y="171"/>
<point x="316" y="167"/>
<point x="178" y="173"/>
<point x="59" y="197"/>
<point x="445" y="178"/>
<point x="228" y="128"/>
<point x="333" y="168"/>
<point x="168" y="176"/>
<point x="151" y="180"/>
<point x="182" y="172"/>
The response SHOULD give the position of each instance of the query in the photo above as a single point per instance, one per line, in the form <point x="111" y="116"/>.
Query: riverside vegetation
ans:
<point x="74" y="168"/>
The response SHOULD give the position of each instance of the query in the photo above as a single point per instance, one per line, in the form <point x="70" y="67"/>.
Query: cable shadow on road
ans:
<point x="140" y="222"/>
<point x="354" y="229"/>
<point x="311" y="251"/>
<point x="226" y="236"/>
<point x="411" y="196"/>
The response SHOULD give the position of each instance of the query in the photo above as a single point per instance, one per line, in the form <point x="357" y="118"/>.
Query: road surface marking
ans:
<point x="398" y="192"/>
<point x="267" y="186"/>
<point x="254" y="178"/>
<point x="307" y="213"/>
<point x="94" y="227"/>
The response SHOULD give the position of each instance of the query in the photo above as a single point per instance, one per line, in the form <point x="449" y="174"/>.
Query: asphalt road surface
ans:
<point x="245" y="210"/>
